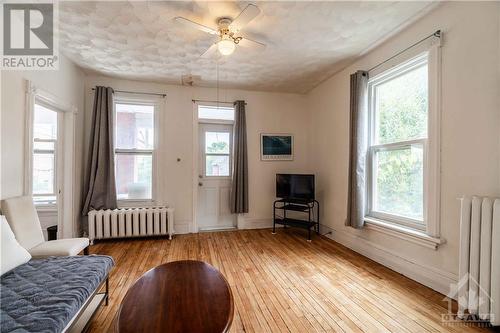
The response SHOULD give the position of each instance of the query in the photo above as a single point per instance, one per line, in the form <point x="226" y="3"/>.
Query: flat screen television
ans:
<point x="295" y="187"/>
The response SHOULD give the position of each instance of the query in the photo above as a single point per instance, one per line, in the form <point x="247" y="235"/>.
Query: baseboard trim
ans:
<point x="182" y="227"/>
<point x="434" y="278"/>
<point x="255" y="223"/>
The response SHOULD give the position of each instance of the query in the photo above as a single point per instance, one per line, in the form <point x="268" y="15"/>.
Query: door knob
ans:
<point x="200" y="184"/>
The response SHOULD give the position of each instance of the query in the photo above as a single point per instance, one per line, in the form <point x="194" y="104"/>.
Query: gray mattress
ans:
<point x="43" y="295"/>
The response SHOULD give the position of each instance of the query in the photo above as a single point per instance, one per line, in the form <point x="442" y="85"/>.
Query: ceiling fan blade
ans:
<point x="195" y="25"/>
<point x="249" y="13"/>
<point x="249" y="43"/>
<point x="210" y="52"/>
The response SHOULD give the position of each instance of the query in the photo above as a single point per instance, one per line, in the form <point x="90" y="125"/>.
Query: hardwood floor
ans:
<point x="281" y="283"/>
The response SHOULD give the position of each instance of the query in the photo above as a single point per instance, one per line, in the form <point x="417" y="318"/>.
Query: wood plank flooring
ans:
<point x="281" y="283"/>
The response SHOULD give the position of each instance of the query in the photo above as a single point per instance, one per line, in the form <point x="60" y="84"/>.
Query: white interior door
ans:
<point x="214" y="178"/>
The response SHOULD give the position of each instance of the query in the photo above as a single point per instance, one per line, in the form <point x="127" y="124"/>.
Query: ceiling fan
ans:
<point x="228" y="36"/>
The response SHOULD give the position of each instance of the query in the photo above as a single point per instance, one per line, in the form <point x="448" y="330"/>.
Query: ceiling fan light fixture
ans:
<point x="227" y="32"/>
<point x="226" y="46"/>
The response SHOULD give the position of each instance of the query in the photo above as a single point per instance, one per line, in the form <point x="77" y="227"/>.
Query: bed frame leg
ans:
<point x="107" y="292"/>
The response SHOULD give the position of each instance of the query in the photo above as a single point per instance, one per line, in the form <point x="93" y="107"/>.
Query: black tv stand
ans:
<point x="297" y="205"/>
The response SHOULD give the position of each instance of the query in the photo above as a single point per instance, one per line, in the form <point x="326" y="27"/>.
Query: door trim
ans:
<point x="194" y="224"/>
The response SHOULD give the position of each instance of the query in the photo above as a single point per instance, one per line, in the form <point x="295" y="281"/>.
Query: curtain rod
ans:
<point x="437" y="34"/>
<point x="139" y="93"/>
<point x="206" y="101"/>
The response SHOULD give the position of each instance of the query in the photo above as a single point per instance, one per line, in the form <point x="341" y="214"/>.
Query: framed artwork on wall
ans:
<point x="276" y="147"/>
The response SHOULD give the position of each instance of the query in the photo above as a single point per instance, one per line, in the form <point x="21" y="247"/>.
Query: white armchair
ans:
<point x="23" y="220"/>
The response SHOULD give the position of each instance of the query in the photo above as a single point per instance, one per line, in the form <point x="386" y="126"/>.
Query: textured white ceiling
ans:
<point x="306" y="41"/>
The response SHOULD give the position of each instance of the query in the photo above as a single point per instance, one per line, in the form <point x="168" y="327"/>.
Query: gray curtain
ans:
<point x="239" y="189"/>
<point x="358" y="145"/>
<point x="99" y="186"/>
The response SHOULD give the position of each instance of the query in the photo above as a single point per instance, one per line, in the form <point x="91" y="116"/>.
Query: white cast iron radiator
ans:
<point x="479" y="262"/>
<point x="131" y="222"/>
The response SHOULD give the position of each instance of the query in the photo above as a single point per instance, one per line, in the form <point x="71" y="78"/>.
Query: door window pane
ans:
<point x="217" y="165"/>
<point x="134" y="176"/>
<point x="43" y="173"/>
<point x="217" y="142"/>
<point x="215" y="113"/>
<point x="134" y="126"/>
<point x="401" y="107"/>
<point x="399" y="182"/>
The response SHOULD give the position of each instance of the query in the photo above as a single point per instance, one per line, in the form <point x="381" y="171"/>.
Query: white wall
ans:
<point x="266" y="112"/>
<point x="67" y="85"/>
<point x="470" y="149"/>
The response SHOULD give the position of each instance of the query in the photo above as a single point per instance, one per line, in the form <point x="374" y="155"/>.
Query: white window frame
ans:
<point x="430" y="145"/>
<point x="66" y="207"/>
<point x="123" y="98"/>
<point x="58" y="163"/>
<point x="35" y="95"/>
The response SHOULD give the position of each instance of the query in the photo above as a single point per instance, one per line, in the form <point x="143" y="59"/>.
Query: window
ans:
<point x="134" y="148"/>
<point x="398" y="144"/>
<point x="207" y="112"/>
<point x="217" y="154"/>
<point x="44" y="159"/>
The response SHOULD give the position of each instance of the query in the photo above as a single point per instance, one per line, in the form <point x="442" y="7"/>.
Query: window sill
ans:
<point x="407" y="234"/>
<point x="215" y="178"/>
<point x="46" y="208"/>
<point x="135" y="203"/>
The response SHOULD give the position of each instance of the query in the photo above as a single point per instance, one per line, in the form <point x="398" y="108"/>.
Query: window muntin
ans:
<point x="217" y="154"/>
<point x="134" y="148"/>
<point x="44" y="158"/>
<point x="399" y="105"/>
<point x="216" y="113"/>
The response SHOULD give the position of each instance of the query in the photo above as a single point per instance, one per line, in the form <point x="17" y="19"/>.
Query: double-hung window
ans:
<point x="44" y="176"/>
<point x="398" y="156"/>
<point x="134" y="149"/>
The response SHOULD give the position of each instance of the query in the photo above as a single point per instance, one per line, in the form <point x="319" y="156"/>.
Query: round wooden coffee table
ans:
<point x="181" y="296"/>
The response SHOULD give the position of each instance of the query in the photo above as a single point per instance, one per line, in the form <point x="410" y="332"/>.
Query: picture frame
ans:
<point x="276" y="147"/>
